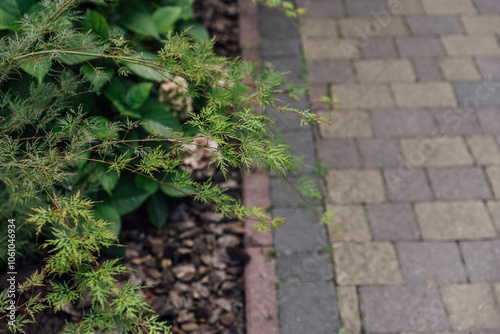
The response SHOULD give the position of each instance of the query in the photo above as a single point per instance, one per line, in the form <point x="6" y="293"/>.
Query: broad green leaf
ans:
<point x="96" y="22"/>
<point x="127" y="197"/>
<point x="12" y="10"/>
<point x="194" y="29"/>
<point x="108" y="179"/>
<point x="115" y="92"/>
<point x="158" y="211"/>
<point x="160" y="119"/>
<point x="109" y="214"/>
<point x="166" y="17"/>
<point x="186" y="6"/>
<point x="138" y="94"/>
<point x="97" y="77"/>
<point x="173" y="190"/>
<point x="102" y="130"/>
<point x="146" y="183"/>
<point x="75" y="59"/>
<point x="143" y="71"/>
<point x="37" y="68"/>
<point x="135" y="16"/>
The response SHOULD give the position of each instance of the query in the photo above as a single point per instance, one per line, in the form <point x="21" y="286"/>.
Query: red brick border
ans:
<point x="260" y="278"/>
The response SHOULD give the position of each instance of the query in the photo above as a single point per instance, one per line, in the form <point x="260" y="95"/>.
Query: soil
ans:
<point x="194" y="265"/>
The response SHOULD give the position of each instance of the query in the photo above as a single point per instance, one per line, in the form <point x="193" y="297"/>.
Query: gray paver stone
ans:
<point x="380" y="152"/>
<point x="419" y="47"/>
<point x="330" y="71"/>
<point x="396" y="123"/>
<point x="338" y="153"/>
<point x="459" y="183"/>
<point x="309" y="266"/>
<point x="488" y="6"/>
<point x="489" y="67"/>
<point x="392" y="222"/>
<point x="426" y="25"/>
<point x="427" y="69"/>
<point x="457" y="121"/>
<point x="482" y="260"/>
<point x="477" y="94"/>
<point x="353" y="186"/>
<point x="407" y="188"/>
<point x="490" y="120"/>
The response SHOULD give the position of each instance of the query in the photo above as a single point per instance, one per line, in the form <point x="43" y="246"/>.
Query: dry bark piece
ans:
<point x="185" y="272"/>
<point x="228" y="319"/>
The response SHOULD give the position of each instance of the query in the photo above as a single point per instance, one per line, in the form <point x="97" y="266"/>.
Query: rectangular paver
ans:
<point x="449" y="7"/>
<point x="426" y="25"/>
<point x="482" y="260"/>
<point x="480" y="45"/>
<point x="459" y="183"/>
<point x="459" y="69"/>
<point x="379" y="152"/>
<point x="325" y="48"/>
<point x="368" y="27"/>
<point x="330" y="71"/>
<point x="473" y="95"/>
<point x="460" y="220"/>
<point x="346" y="124"/>
<point x="457" y="121"/>
<point x="322" y="8"/>
<point x="366" y="264"/>
<point x="338" y="153"/>
<point x="410" y="187"/>
<point x="427" y="69"/>
<point x="489" y="118"/>
<point x="365" y="96"/>
<point x="365" y="7"/>
<point x="349" y="309"/>
<point x="392" y="222"/>
<point x="379" y="70"/>
<point x="488" y="6"/>
<point x="348" y="224"/>
<point x="425" y="94"/>
<point x="484" y="149"/>
<point x="480" y="24"/>
<point x="355" y="186"/>
<point x="494" y="209"/>
<point x="470" y="306"/>
<point x="436" y="152"/>
<point x="489" y="67"/>
<point x="318" y="27"/>
<point x="437" y="262"/>
<point x="398" y="123"/>
<point x="405" y="7"/>
<point x="419" y="47"/>
<point x="493" y="173"/>
<point x="406" y="308"/>
<point x="379" y="47"/>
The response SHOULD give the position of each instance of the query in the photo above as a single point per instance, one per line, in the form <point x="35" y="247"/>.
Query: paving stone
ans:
<point x="379" y="47"/>
<point x="460" y="220"/>
<point x="276" y="48"/>
<point x="338" y="153"/>
<point x="427" y="69"/>
<point x="256" y="193"/>
<point x="348" y="224"/>
<point x="297" y="299"/>
<point x="349" y="309"/>
<point x="368" y="27"/>
<point x="306" y="266"/>
<point x="329" y="48"/>
<point x="365" y="7"/>
<point x="489" y="67"/>
<point x="470" y="306"/>
<point x="407" y="188"/>
<point x="392" y="222"/>
<point x="316" y="92"/>
<point x="459" y="183"/>
<point x="436" y="152"/>
<point x="366" y="264"/>
<point x="424" y="94"/>
<point x="481" y="24"/>
<point x="292" y="238"/>
<point x="449" y="7"/>
<point x="496" y="289"/>
<point x="431" y="262"/>
<point x="426" y="25"/>
<point x="494" y="208"/>
<point x="477" y="94"/>
<point x="402" y="308"/>
<point x="484" y="149"/>
<point x="477" y="45"/>
<point x="353" y="186"/>
<point x="276" y="25"/>
<point x="380" y="152"/>
<point x="490" y="120"/>
<point x="405" y="7"/>
<point x="283" y="195"/>
<point x="482" y="260"/>
<point x="397" y="123"/>
<point x="488" y="6"/>
<point x="318" y="27"/>
<point x="457" y="121"/>
<point x="367" y="96"/>
<point x="419" y="47"/>
<point x="300" y="146"/>
<point x="285" y="123"/>
<point x="322" y="8"/>
<point x="459" y="68"/>
<point x="346" y="124"/>
<point x="380" y="70"/>
<point x="330" y="71"/>
<point x="493" y="173"/>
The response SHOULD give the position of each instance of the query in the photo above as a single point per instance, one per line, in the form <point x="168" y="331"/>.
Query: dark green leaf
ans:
<point x="143" y="71"/>
<point x="186" y="5"/>
<point x="194" y="29"/>
<point x="74" y="59"/>
<point x="102" y="128"/>
<point x="146" y="183"/>
<point x="109" y="214"/>
<point x="158" y="211"/>
<point x="166" y="17"/>
<point x="138" y="94"/>
<point x="108" y="179"/>
<point x="160" y="119"/>
<point x="127" y="197"/>
<point x="96" y="22"/>
<point x="37" y="68"/>
<point x="173" y="190"/>
<point x="12" y="10"/>
<point x="97" y="77"/>
<point x="136" y="17"/>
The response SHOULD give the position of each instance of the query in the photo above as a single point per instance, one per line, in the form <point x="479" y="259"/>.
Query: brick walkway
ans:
<point x="415" y="165"/>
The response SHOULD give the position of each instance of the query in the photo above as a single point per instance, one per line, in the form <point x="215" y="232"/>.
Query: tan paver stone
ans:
<point x="346" y="124"/>
<point x="459" y="68"/>
<point x="481" y="24"/>
<point x="460" y="220"/>
<point x="318" y="27"/>
<point x="484" y="149"/>
<point x="348" y="224"/>
<point x="349" y="309"/>
<point x="494" y="208"/>
<point x="471" y="45"/>
<point x="494" y="176"/>
<point x="496" y="288"/>
<point x="432" y="333"/>
<point x="317" y="49"/>
<point x="363" y="96"/>
<point x="449" y="7"/>
<point x="364" y="27"/>
<point x="436" y="152"/>
<point x="405" y="7"/>
<point x="355" y="186"/>
<point x="424" y="94"/>
<point x="366" y="264"/>
<point x="470" y="306"/>
<point x="385" y="70"/>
